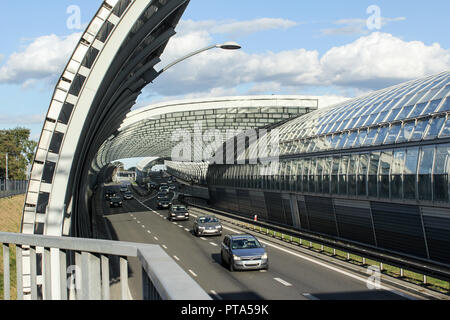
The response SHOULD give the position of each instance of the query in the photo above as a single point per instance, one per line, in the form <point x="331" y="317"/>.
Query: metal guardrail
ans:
<point x="9" y="188"/>
<point x="44" y="270"/>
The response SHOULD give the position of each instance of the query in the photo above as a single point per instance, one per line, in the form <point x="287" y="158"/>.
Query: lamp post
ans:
<point x="224" y="46"/>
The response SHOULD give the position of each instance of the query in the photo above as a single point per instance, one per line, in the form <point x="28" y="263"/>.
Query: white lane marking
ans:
<point x="164" y="246"/>
<point x="156" y="238"/>
<point x="134" y="218"/>
<point x="138" y="221"/>
<point x="262" y="271"/>
<point x="149" y="231"/>
<point x="214" y="244"/>
<point x="287" y="284"/>
<point x="215" y="294"/>
<point x="180" y="226"/>
<point x="175" y="223"/>
<point x="193" y="215"/>
<point x="310" y="296"/>
<point x="193" y="273"/>
<point x="203" y="238"/>
<point x="131" y="215"/>
<point x="165" y="218"/>
<point x="329" y="267"/>
<point x="176" y="258"/>
<point x="186" y="229"/>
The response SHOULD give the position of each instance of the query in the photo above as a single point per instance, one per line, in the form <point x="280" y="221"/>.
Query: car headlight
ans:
<point x="218" y="227"/>
<point x="264" y="256"/>
<point x="236" y="258"/>
<point x="203" y="228"/>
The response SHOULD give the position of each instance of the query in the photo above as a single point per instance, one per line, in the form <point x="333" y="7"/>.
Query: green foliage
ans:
<point x="16" y="142"/>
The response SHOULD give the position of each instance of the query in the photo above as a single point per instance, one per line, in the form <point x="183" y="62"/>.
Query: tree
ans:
<point x="16" y="142"/>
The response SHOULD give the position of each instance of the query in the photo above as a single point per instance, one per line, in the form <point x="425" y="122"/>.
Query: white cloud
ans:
<point x="236" y="28"/>
<point x="372" y="62"/>
<point x="356" y="26"/>
<point x="44" y="57"/>
<point x="381" y="59"/>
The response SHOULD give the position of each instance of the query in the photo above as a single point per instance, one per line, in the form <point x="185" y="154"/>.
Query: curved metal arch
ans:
<point x="90" y="101"/>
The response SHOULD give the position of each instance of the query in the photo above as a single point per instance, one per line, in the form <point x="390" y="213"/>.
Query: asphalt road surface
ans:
<point x="290" y="275"/>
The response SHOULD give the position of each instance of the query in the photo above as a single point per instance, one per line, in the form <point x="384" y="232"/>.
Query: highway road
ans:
<point x="291" y="276"/>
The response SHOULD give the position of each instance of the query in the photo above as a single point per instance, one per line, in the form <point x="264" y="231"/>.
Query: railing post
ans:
<point x="33" y="273"/>
<point x="124" y="278"/>
<point x="63" y="274"/>
<point x="105" y="277"/>
<point x="19" y="272"/>
<point x="6" y="273"/>
<point x="47" y="274"/>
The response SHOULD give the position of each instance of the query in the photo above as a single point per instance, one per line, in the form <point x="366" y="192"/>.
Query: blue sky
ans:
<point x="292" y="37"/>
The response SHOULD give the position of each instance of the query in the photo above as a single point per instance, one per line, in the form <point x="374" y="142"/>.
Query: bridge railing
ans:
<point x="63" y="268"/>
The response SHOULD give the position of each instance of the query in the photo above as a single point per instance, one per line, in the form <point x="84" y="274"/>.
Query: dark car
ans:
<point x="161" y="195"/>
<point x="115" y="202"/>
<point x="243" y="252"/>
<point x="109" y="193"/>
<point x="178" y="212"/>
<point x="124" y="189"/>
<point x="207" y="225"/>
<point x="164" y="203"/>
<point x="164" y="188"/>
<point x="153" y="185"/>
<point x="128" y="195"/>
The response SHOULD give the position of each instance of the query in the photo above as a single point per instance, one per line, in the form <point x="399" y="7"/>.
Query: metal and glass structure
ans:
<point x="373" y="171"/>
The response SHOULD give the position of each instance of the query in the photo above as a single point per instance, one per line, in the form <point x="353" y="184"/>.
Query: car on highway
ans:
<point x="207" y="225"/>
<point x="164" y="188"/>
<point x="128" y="195"/>
<point x="161" y="195"/>
<point x="243" y="252"/>
<point x="115" y="202"/>
<point x="178" y="212"/>
<point x="164" y="203"/>
<point x="153" y="185"/>
<point x="109" y="193"/>
<point x="124" y="189"/>
<point x="172" y="186"/>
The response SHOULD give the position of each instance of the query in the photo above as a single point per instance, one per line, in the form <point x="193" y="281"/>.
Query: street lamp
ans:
<point x="224" y="46"/>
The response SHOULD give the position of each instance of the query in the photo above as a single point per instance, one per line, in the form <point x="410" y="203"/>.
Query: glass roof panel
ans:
<point x="446" y="131"/>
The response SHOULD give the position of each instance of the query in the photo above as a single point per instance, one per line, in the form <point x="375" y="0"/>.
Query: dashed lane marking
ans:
<point x="285" y="283"/>
<point x="215" y="294"/>
<point x="310" y="296"/>
<point x="193" y="273"/>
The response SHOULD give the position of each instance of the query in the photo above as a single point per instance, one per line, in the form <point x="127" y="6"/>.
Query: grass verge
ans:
<point x="10" y="219"/>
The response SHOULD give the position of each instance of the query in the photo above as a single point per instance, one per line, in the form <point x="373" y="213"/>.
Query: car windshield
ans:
<point x="246" y="243"/>
<point x="179" y="208"/>
<point x="208" y="219"/>
<point x="115" y="199"/>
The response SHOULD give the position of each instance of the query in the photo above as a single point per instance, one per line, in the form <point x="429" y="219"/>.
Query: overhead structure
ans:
<point x="157" y="129"/>
<point x="112" y="62"/>
<point x="372" y="171"/>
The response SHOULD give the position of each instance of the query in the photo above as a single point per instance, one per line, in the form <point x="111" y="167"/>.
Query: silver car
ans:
<point x="207" y="225"/>
<point x="243" y="252"/>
